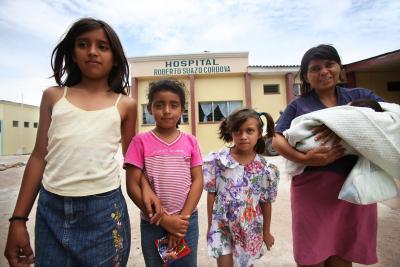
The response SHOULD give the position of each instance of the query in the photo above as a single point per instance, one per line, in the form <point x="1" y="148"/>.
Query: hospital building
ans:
<point x="217" y="84"/>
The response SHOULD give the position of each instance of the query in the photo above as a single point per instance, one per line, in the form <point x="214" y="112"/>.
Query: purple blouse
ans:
<point x="311" y="102"/>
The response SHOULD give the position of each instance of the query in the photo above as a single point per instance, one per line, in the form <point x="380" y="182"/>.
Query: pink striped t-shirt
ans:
<point x="167" y="166"/>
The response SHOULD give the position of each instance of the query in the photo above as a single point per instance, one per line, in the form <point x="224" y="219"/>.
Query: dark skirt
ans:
<point x="324" y="225"/>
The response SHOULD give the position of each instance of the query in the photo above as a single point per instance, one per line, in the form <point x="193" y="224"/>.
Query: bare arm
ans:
<point x="128" y="124"/>
<point x="138" y="190"/>
<point x="18" y="249"/>
<point x="193" y="196"/>
<point x="133" y="188"/>
<point x="268" y="237"/>
<point x="195" y="191"/>
<point x="177" y="225"/>
<point x="319" y="156"/>
<point x="151" y="202"/>
<point x="210" y="205"/>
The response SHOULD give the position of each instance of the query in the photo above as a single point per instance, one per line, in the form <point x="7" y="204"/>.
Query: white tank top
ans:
<point x="81" y="150"/>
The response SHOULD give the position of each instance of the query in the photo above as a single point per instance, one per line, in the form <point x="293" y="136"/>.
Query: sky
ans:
<point x="274" y="32"/>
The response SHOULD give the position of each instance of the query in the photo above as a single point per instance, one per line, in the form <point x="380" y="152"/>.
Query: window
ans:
<point x="35" y="125"/>
<point x="148" y="119"/>
<point x="296" y="89"/>
<point x="15" y="123"/>
<point x="185" y="115"/>
<point x="393" y="86"/>
<point x="216" y="111"/>
<point x="26" y="124"/>
<point x="271" y="89"/>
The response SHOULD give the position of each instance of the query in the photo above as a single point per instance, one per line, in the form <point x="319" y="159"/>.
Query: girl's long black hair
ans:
<point x="67" y="73"/>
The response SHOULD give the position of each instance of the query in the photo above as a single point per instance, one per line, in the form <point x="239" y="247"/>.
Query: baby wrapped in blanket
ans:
<point x="367" y="129"/>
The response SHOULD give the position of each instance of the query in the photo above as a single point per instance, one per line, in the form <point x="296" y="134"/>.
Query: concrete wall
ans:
<point x="271" y="103"/>
<point x="216" y="88"/>
<point x="21" y="139"/>
<point x="377" y="81"/>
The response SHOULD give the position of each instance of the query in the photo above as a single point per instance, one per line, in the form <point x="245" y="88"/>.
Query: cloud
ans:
<point x="273" y="31"/>
<point x="33" y="18"/>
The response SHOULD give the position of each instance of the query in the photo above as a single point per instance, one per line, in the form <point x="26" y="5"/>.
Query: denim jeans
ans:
<point x="82" y="231"/>
<point x="151" y="232"/>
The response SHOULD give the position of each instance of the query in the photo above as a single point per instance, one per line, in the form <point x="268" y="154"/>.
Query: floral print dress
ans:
<point x="237" y="220"/>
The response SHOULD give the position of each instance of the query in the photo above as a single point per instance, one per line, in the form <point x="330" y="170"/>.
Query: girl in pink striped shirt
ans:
<point x="172" y="166"/>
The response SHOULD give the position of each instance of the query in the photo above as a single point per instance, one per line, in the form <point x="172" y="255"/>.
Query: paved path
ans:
<point x="280" y="256"/>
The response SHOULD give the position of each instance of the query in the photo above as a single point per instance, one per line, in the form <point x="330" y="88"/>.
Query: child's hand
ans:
<point x="269" y="240"/>
<point x="153" y="206"/>
<point x="18" y="249"/>
<point x="173" y="241"/>
<point x="152" y="203"/>
<point x="208" y="231"/>
<point x="176" y="225"/>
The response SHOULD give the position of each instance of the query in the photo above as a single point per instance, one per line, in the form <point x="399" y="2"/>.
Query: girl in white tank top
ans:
<point x="81" y="217"/>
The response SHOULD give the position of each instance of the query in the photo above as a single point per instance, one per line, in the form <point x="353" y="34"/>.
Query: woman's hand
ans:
<point x="18" y="249"/>
<point x="323" y="155"/>
<point x="326" y="135"/>
<point x="269" y="240"/>
<point x="329" y="151"/>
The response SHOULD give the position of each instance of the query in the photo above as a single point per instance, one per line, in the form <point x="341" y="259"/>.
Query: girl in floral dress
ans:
<point x="241" y="186"/>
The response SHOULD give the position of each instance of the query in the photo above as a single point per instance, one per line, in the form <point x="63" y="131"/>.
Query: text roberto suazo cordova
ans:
<point x="191" y="66"/>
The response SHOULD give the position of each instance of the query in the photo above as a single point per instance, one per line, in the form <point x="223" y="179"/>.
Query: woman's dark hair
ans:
<point x="322" y="51"/>
<point x="237" y="118"/>
<point x="63" y="64"/>
<point x="167" y="85"/>
<point x="368" y="103"/>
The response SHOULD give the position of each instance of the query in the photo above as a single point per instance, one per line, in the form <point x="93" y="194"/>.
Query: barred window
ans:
<point x="271" y="89"/>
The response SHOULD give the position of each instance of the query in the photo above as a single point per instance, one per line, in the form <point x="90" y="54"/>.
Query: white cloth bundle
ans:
<point x="373" y="136"/>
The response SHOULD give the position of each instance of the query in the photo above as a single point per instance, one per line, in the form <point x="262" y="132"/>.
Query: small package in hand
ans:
<point x="169" y="255"/>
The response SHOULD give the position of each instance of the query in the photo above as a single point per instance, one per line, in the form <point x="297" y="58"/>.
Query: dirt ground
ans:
<point x="280" y="256"/>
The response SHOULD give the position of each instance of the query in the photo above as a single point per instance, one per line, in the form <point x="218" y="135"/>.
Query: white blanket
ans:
<point x="373" y="136"/>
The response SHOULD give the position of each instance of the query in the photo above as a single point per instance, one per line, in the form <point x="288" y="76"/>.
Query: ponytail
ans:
<point x="260" y="146"/>
<point x="224" y="131"/>
<point x="270" y="124"/>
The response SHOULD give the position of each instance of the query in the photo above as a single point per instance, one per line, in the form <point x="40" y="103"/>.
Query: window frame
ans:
<point x="229" y="109"/>
<point x="296" y="90"/>
<point x="266" y="92"/>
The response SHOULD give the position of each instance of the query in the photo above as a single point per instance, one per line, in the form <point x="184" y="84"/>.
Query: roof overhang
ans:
<point x="385" y="62"/>
<point x="272" y="70"/>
